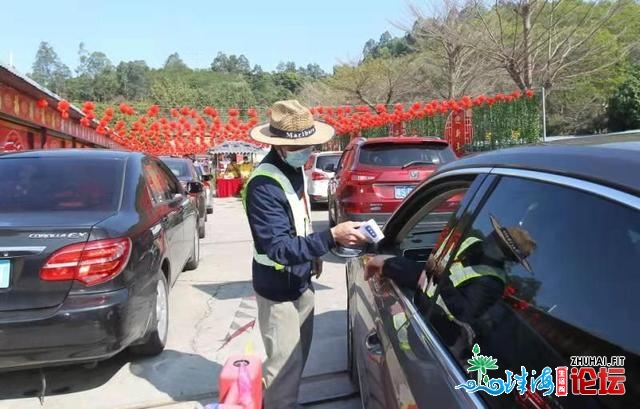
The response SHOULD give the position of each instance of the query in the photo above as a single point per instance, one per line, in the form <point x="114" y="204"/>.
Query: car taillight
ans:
<point x="90" y="263"/>
<point x="318" y="176"/>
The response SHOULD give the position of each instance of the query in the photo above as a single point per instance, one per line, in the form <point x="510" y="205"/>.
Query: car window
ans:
<point x="325" y="160"/>
<point x="565" y="261"/>
<point x="161" y="186"/>
<point x="60" y="184"/>
<point x="399" y="154"/>
<point x="179" y="167"/>
<point x="420" y="234"/>
<point x="342" y="162"/>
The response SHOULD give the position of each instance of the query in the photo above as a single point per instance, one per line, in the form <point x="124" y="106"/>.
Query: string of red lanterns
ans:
<point x="187" y="130"/>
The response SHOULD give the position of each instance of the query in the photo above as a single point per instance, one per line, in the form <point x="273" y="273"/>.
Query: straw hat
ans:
<point x="515" y="241"/>
<point x="290" y="123"/>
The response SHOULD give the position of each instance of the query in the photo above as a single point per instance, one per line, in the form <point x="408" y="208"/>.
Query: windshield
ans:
<point x="397" y="155"/>
<point x="55" y="184"/>
<point x="179" y="167"/>
<point x="325" y="160"/>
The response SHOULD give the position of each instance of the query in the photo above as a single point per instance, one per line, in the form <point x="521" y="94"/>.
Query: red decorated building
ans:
<point x="29" y="118"/>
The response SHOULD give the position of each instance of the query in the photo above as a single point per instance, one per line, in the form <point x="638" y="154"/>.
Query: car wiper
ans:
<point x="416" y="162"/>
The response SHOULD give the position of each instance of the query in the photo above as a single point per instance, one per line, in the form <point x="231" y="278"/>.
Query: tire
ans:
<point x="332" y="221"/>
<point x="193" y="262"/>
<point x="202" y="231"/>
<point x="155" y="339"/>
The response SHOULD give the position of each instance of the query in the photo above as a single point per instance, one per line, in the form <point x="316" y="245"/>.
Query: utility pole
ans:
<point x="544" y="116"/>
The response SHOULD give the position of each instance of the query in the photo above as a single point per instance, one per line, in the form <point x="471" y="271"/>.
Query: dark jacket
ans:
<point x="467" y="302"/>
<point x="274" y="234"/>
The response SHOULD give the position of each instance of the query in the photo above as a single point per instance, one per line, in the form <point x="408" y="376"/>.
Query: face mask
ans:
<point x="297" y="159"/>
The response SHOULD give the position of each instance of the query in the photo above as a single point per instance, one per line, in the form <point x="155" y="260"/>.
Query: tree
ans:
<point x="313" y="71"/>
<point x="133" y="79"/>
<point x="379" y="80"/>
<point x="92" y="64"/>
<point x="175" y="63"/>
<point x="232" y="64"/>
<point x="288" y="66"/>
<point x="624" y="106"/>
<point x="48" y="70"/>
<point x="447" y="45"/>
<point x="545" y="42"/>
<point x="387" y="46"/>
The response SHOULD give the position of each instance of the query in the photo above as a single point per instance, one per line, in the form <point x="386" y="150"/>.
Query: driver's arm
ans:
<point x="403" y="271"/>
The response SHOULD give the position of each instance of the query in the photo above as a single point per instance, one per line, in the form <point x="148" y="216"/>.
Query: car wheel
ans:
<point x="193" y="262"/>
<point x="202" y="229"/>
<point x="156" y="337"/>
<point x="332" y="220"/>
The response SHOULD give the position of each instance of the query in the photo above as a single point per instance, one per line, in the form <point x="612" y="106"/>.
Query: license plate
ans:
<point x="5" y="273"/>
<point x="403" y="191"/>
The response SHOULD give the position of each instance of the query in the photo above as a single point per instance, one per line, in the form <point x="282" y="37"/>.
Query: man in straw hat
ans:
<point x="287" y="252"/>
<point x="473" y="283"/>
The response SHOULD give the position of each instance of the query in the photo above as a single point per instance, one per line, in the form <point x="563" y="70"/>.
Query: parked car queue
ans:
<point x="91" y="242"/>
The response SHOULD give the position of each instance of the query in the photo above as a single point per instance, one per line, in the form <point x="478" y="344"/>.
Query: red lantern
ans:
<point x="529" y="93"/>
<point x="64" y="114"/>
<point x="42" y="103"/>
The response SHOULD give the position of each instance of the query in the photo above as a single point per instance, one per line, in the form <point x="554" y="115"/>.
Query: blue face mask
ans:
<point x="297" y="159"/>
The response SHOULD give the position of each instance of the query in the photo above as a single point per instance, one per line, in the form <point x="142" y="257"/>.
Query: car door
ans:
<point x="396" y="367"/>
<point x="169" y="209"/>
<point x="571" y="298"/>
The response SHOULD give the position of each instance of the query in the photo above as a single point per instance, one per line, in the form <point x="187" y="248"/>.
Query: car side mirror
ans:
<point x="329" y="168"/>
<point x="207" y="178"/>
<point x="194" y="187"/>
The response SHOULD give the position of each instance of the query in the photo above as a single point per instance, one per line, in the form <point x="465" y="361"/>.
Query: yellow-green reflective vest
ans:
<point x="302" y="221"/>
<point x="459" y="274"/>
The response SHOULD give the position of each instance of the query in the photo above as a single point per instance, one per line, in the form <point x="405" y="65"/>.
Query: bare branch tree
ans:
<point x="543" y="42"/>
<point x="377" y="80"/>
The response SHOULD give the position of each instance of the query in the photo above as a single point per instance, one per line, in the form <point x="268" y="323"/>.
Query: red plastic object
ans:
<point x="240" y="382"/>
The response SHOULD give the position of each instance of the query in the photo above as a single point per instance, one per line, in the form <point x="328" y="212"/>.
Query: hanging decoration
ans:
<point x="185" y="130"/>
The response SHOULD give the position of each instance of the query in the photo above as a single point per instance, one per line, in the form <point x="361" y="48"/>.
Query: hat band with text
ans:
<point x="281" y="133"/>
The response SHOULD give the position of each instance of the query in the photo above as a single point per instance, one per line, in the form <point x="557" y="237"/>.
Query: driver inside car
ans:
<point x="474" y="282"/>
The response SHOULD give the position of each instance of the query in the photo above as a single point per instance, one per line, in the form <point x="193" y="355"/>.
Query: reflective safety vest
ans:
<point x="299" y="210"/>
<point x="460" y="274"/>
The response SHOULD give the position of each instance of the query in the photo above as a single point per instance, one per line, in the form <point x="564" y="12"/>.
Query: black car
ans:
<point x="186" y="173"/>
<point x="90" y="243"/>
<point x="574" y="297"/>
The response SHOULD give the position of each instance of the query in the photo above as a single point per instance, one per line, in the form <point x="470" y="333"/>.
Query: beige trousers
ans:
<point x="286" y="329"/>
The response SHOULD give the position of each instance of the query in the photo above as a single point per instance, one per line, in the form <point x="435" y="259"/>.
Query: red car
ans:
<point x="375" y="175"/>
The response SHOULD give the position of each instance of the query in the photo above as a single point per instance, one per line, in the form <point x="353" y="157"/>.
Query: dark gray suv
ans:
<point x="574" y="296"/>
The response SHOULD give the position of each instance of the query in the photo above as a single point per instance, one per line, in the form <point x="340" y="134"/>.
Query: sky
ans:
<point x="326" y="32"/>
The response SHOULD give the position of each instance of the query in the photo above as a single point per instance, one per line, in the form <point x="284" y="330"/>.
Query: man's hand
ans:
<point x="348" y="235"/>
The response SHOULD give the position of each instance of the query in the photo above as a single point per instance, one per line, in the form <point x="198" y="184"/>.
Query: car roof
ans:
<point x="613" y="164"/>
<point x="173" y="158"/>
<point x="326" y="153"/>
<point x="403" y="139"/>
<point x="73" y="153"/>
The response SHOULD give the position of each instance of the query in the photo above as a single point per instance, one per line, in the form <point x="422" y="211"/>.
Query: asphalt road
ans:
<point x="206" y="305"/>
